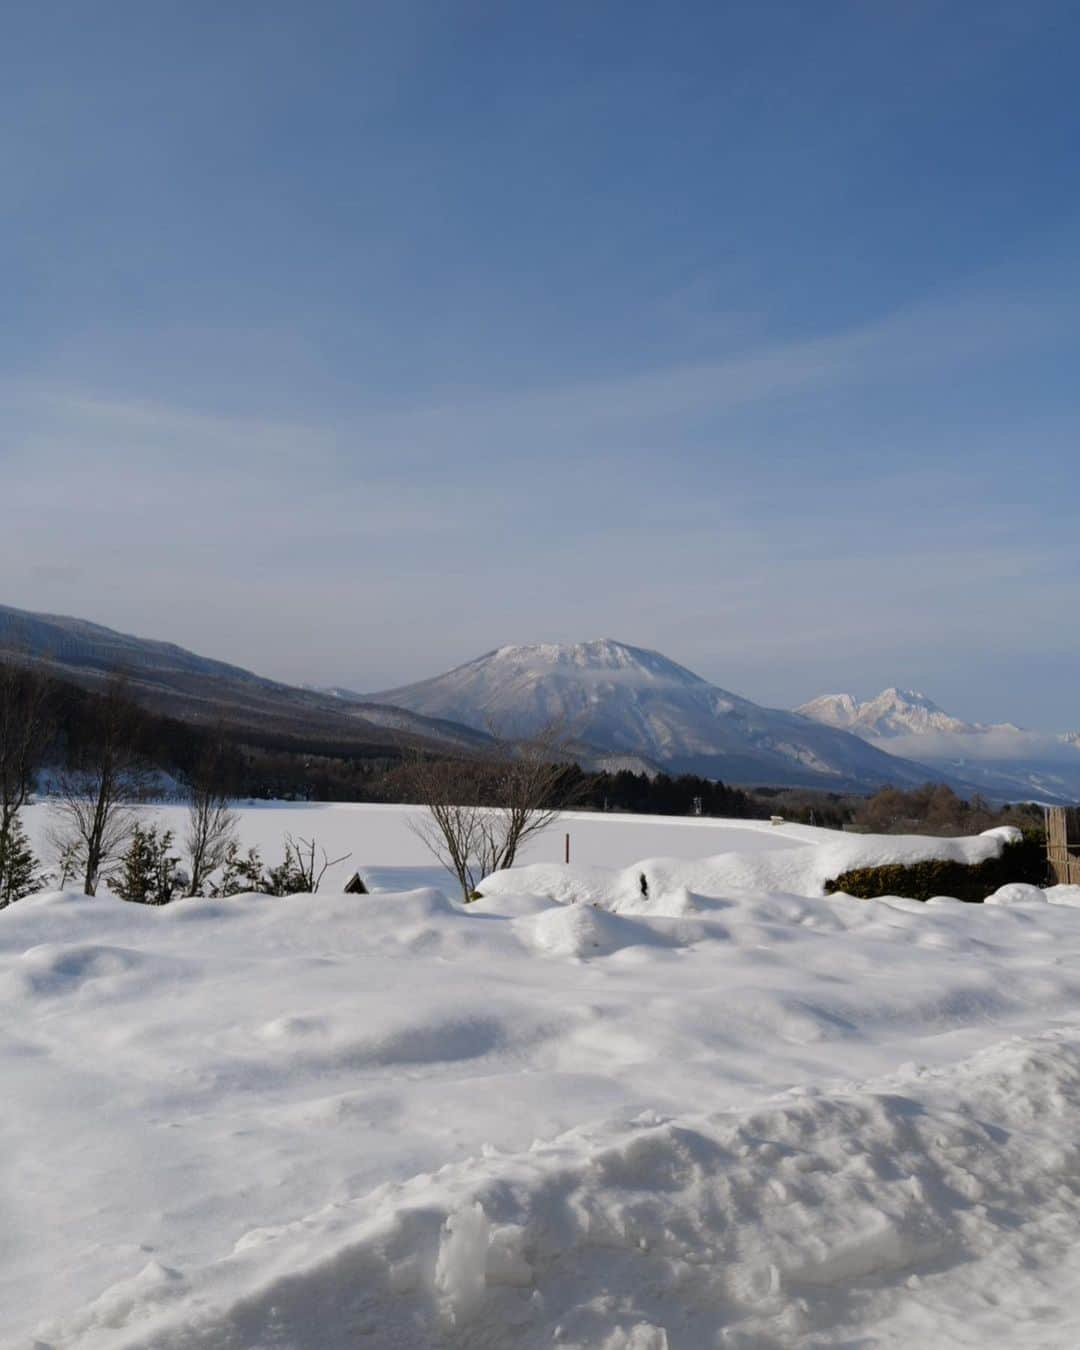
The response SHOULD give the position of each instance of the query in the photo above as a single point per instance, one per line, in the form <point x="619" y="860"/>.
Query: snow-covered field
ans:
<point x="729" y="1113"/>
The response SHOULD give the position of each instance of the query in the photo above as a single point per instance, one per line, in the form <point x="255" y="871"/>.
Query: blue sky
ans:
<point x="347" y="341"/>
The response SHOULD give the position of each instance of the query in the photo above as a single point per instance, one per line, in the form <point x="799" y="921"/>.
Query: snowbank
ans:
<point x="727" y="1113"/>
<point x="939" y="1208"/>
<point x="800" y="862"/>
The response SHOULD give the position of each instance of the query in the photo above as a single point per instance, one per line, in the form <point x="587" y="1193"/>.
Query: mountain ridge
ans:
<point x="635" y="700"/>
<point x="893" y="712"/>
<point x="626" y="706"/>
<point x="170" y="678"/>
<point x="998" y="757"/>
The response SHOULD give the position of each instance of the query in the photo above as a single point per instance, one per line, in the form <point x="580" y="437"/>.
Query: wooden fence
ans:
<point x="1063" y="845"/>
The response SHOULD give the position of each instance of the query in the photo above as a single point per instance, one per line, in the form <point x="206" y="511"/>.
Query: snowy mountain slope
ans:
<point x="894" y="712"/>
<point x="631" y="700"/>
<point x="588" y="756"/>
<point x="999" y="758"/>
<point x="197" y="688"/>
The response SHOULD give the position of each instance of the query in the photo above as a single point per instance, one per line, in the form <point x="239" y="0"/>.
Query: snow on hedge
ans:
<point x="799" y="860"/>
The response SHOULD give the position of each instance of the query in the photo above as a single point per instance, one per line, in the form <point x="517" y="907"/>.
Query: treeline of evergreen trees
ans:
<point x="663" y="795"/>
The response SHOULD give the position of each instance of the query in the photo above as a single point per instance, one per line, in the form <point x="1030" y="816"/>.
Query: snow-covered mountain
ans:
<point x="893" y="712"/>
<point x="632" y="701"/>
<point x="1000" y="758"/>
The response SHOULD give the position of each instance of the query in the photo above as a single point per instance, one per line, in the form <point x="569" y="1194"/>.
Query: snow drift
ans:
<point x="727" y="1112"/>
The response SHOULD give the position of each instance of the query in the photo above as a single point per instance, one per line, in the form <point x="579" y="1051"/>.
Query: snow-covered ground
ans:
<point x="729" y="1113"/>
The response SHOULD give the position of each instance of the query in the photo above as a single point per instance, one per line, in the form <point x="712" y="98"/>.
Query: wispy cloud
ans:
<point x="909" y="343"/>
<point x="548" y="513"/>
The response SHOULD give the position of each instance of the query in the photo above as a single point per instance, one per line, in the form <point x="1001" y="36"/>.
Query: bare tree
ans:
<point x="212" y="824"/>
<point x="531" y="783"/>
<point x="480" y="813"/>
<point x="450" y="825"/>
<point x="92" y="815"/>
<point x="300" y="873"/>
<point x="25" y="730"/>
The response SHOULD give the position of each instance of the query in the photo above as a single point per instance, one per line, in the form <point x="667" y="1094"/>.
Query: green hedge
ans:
<point x="1022" y="861"/>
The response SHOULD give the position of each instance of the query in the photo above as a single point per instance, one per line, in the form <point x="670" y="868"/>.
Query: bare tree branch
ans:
<point x="299" y="874"/>
<point x="92" y="815"/>
<point x="479" y="814"/>
<point x="212" y="824"/>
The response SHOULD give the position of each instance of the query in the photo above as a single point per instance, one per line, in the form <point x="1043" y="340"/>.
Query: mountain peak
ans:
<point x="910" y="698"/>
<point x="600" y="658"/>
<point x="631" y="700"/>
<point x="999" y="758"/>
<point x="834" y="710"/>
<point x="893" y="712"/>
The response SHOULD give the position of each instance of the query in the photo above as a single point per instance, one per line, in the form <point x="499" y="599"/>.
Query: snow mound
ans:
<point x="1017" y="893"/>
<point x="65" y="970"/>
<point x="804" y="859"/>
<point x="892" y="1204"/>
<point x="59" y="968"/>
<point x="506" y="905"/>
<point x="585" y="930"/>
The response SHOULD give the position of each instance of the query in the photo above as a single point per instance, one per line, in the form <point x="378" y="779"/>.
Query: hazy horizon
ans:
<point x="365" y="688"/>
<point x="348" y="345"/>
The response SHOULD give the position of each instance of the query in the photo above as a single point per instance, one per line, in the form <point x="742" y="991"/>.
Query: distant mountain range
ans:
<point x="894" y="712"/>
<point x="629" y="700"/>
<point x="172" y="680"/>
<point x="624" y="706"/>
<point x="999" y="758"/>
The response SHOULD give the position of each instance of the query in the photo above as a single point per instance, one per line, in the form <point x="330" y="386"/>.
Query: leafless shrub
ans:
<point x="480" y="813"/>
<point x="211" y="824"/>
<point x="300" y="873"/>
<point x="92" y="811"/>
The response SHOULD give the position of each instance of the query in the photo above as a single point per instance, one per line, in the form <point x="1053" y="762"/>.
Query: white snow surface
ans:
<point x="728" y="1113"/>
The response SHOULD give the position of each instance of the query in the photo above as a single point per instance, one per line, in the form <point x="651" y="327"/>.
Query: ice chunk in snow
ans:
<point x="461" y="1268"/>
